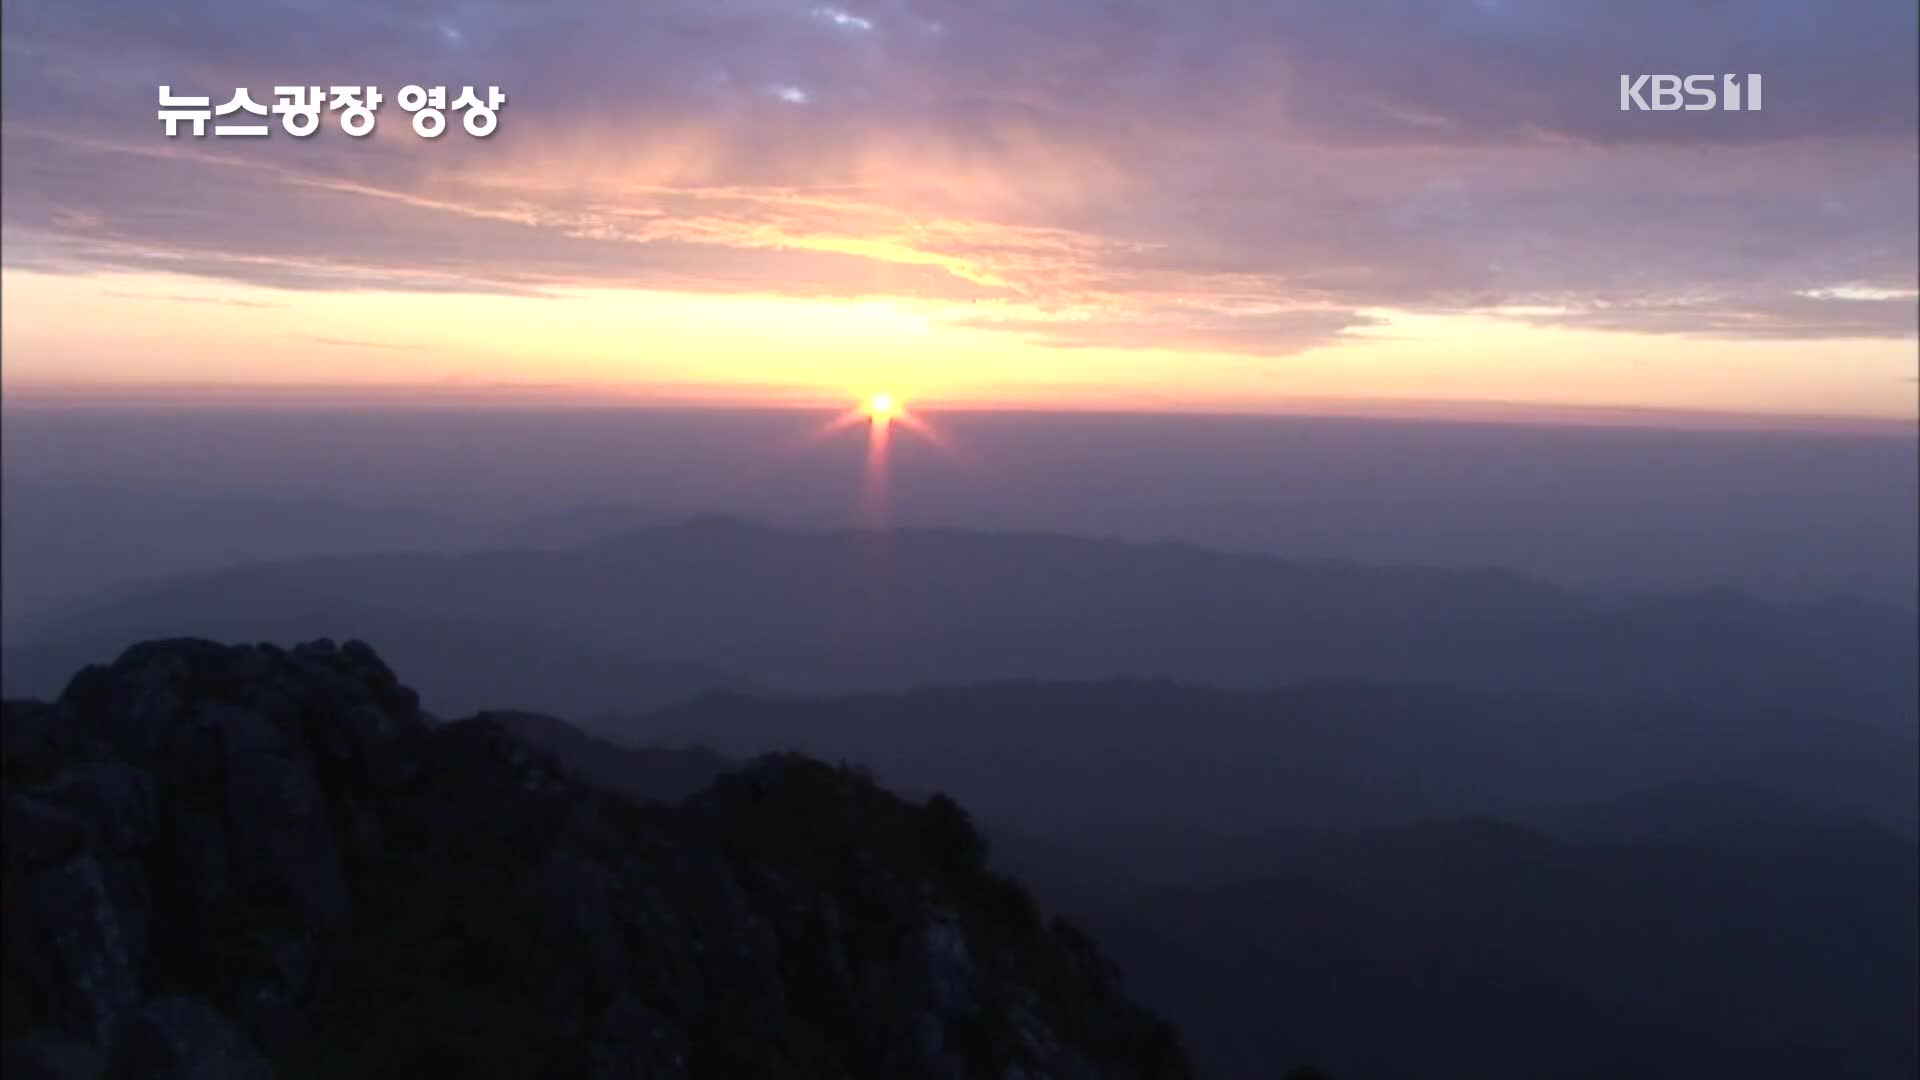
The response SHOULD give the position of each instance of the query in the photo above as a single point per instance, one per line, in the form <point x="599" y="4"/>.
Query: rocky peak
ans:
<point x="252" y="861"/>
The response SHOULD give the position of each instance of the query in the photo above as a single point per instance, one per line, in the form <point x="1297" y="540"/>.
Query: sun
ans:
<point x="882" y="406"/>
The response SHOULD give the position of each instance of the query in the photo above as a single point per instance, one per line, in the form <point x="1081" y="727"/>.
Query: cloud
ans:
<point x="1222" y="175"/>
<point x="1758" y="318"/>
<point x="1256" y="333"/>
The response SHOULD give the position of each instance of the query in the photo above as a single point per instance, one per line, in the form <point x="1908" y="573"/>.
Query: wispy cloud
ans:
<point x="1246" y="176"/>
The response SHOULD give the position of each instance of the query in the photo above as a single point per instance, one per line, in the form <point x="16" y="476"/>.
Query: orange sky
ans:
<point x="148" y="332"/>
<point x="1231" y="206"/>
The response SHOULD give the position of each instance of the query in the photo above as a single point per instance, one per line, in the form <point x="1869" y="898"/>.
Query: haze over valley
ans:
<point x="1299" y="795"/>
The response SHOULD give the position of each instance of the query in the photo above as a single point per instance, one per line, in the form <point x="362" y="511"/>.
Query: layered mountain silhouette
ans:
<point x="825" y="612"/>
<point x="1680" y="938"/>
<point x="1402" y="880"/>
<point x="250" y="861"/>
<point x="1134" y="755"/>
<point x="61" y="541"/>
<point x="1393" y="820"/>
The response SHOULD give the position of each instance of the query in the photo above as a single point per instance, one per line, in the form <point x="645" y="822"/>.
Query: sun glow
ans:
<point x="882" y="414"/>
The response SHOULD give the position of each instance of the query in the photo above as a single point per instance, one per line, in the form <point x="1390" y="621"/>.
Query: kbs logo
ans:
<point x="1671" y="93"/>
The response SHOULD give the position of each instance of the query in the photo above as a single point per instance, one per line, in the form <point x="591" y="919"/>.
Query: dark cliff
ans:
<point x="247" y="861"/>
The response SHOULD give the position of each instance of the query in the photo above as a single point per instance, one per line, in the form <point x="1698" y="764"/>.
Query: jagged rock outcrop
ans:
<point x="247" y="861"/>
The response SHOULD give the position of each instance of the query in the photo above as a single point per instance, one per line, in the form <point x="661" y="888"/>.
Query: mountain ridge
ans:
<point x="1319" y="754"/>
<point x="247" y="861"/>
<point x="835" y="612"/>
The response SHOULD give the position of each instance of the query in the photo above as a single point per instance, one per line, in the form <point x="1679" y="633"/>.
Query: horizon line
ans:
<point x="78" y="394"/>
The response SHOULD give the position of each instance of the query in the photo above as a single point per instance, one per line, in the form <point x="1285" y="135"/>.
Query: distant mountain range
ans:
<point x="830" y="612"/>
<point x="1401" y="881"/>
<point x="1129" y="754"/>
<point x="1481" y="949"/>
<point x="1417" y="881"/>
<point x="59" y="542"/>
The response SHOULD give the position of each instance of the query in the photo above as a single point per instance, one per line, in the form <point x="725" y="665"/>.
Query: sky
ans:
<point x="1232" y="205"/>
